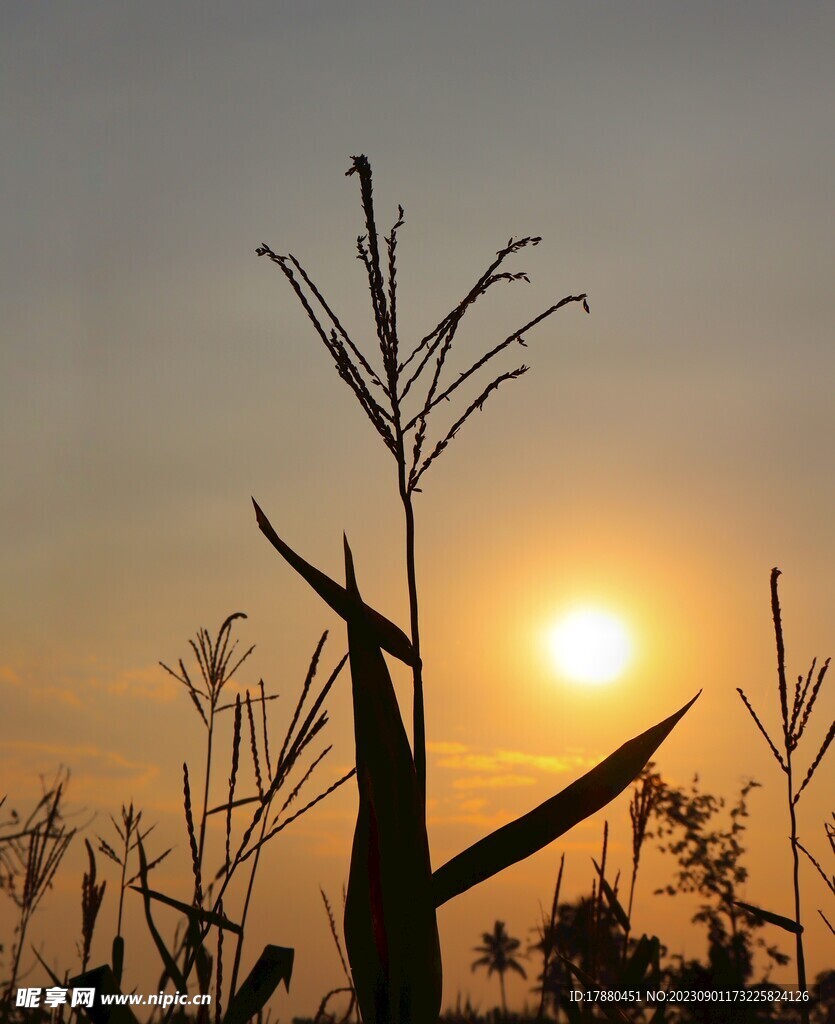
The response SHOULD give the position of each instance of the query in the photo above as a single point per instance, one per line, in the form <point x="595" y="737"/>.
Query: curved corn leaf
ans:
<point x="786" y="923"/>
<point x="101" y="979"/>
<point x="391" y="932"/>
<point x="524" y="836"/>
<point x="192" y="913"/>
<point x="53" y="976"/>
<point x="168" y="961"/>
<point x="274" y="965"/>
<point x="386" y="634"/>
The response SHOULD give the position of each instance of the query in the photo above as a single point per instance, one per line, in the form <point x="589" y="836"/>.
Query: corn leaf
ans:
<point x="612" y="900"/>
<point x="644" y="958"/>
<point x="192" y="913"/>
<point x="386" y="634"/>
<point x="274" y="965"/>
<point x="53" y="976"/>
<point x="168" y="961"/>
<point x="786" y="923"/>
<point x="391" y="932"/>
<point x="101" y="979"/>
<point x="520" y="838"/>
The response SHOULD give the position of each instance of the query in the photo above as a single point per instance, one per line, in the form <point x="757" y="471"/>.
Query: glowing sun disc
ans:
<point x="589" y="645"/>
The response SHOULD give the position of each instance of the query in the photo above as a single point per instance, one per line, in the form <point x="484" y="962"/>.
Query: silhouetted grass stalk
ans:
<point x="549" y="931"/>
<point x="828" y="882"/>
<point x="793" y="722"/>
<point x="393" y="894"/>
<point x="297" y="739"/>
<point x="32" y="856"/>
<point x="311" y="672"/>
<point x="644" y="798"/>
<point x="400" y="431"/>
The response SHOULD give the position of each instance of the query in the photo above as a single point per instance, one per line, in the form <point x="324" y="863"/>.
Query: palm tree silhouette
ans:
<point x="498" y="949"/>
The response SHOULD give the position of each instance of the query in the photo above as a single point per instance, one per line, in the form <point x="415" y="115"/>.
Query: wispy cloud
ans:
<point x="147" y="683"/>
<point x="480" y="775"/>
<point x="9" y="675"/>
<point x="487" y="764"/>
<point x="99" y="776"/>
<point x="38" y="682"/>
<point x="493" y="781"/>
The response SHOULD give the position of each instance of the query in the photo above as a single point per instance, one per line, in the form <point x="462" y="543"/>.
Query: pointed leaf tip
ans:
<point x="386" y="634"/>
<point x="275" y="964"/>
<point x="532" y="831"/>
<point x="350" y="574"/>
<point x="786" y="923"/>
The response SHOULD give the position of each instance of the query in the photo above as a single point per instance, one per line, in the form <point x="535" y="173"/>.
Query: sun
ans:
<point x="590" y="645"/>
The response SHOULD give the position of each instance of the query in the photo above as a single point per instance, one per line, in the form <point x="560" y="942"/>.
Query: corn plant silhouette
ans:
<point x="279" y="779"/>
<point x="29" y="858"/>
<point x="828" y="881"/>
<point x="794" y="721"/>
<point x="390" y="923"/>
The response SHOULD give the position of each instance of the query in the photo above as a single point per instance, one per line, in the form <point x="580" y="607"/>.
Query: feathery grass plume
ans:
<point x="321" y="1016"/>
<point x="253" y="746"/>
<point x="130" y="834"/>
<point x="192" y="840"/>
<point x="216" y="665"/>
<point x="295" y="740"/>
<point x="91" y="900"/>
<point x="547" y="938"/>
<point x="233" y="776"/>
<point x="399" y="392"/>
<point x="305" y="725"/>
<point x="31" y="855"/>
<point x="645" y="796"/>
<point x="794" y="721"/>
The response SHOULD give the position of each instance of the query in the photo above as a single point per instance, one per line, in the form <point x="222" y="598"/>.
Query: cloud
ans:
<point x="98" y="776"/>
<point x="9" y="675"/>
<point x="149" y="683"/>
<point x="468" y="760"/>
<point x="493" y="781"/>
<point x="38" y="691"/>
<point x="446" y="748"/>
<point x="61" y="695"/>
<point x="484" y="822"/>
<point x="41" y="681"/>
<point x="473" y="805"/>
<point x="480" y="771"/>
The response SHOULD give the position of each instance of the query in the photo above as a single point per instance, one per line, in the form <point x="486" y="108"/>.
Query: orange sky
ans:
<point x="663" y="454"/>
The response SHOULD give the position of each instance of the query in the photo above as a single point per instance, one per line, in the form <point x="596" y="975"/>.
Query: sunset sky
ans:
<point x="660" y="457"/>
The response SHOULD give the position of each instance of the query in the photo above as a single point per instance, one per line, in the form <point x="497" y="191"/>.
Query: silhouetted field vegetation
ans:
<point x="388" y="938"/>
